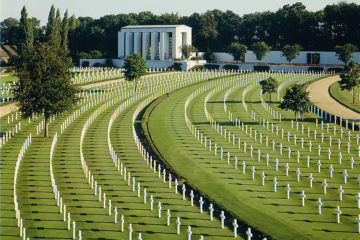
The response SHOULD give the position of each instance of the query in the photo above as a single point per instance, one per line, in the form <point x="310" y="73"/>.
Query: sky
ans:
<point x="98" y="8"/>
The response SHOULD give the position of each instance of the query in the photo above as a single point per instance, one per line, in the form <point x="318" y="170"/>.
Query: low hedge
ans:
<point x="196" y="58"/>
<point x="211" y="66"/>
<point x="261" y="68"/>
<point x="231" y="67"/>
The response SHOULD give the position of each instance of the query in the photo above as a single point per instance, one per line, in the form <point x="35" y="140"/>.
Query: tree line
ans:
<point x="213" y="30"/>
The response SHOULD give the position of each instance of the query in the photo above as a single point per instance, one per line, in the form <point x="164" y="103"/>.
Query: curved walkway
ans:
<point x="319" y="93"/>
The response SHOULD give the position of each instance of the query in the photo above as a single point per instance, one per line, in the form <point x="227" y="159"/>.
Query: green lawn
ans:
<point x="268" y="213"/>
<point x="257" y="205"/>
<point x="36" y="200"/>
<point x="345" y="97"/>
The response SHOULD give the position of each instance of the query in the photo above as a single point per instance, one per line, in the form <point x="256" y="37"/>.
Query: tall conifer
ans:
<point x="26" y="33"/>
<point x="65" y="32"/>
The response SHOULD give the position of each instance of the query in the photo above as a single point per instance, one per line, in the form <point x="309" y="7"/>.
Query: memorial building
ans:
<point x="153" y="42"/>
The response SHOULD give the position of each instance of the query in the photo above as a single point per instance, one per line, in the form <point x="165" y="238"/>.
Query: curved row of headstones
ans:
<point x="282" y="131"/>
<point x="83" y="107"/>
<point x="85" y="166"/>
<point x="207" y="141"/>
<point x="337" y="210"/>
<point x="198" y="137"/>
<point x="150" y="162"/>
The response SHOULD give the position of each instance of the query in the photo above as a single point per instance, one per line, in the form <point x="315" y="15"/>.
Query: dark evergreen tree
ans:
<point x="53" y="28"/>
<point x="26" y="35"/>
<point x="65" y="32"/>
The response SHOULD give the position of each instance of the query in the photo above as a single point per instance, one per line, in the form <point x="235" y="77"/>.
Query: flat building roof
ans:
<point x="153" y="26"/>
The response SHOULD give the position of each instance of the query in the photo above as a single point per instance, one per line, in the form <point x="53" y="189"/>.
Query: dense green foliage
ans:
<point x="260" y="49"/>
<point x="291" y="51"/>
<point x="269" y="86"/>
<point x="26" y="36"/>
<point x="230" y="67"/>
<point x="135" y="67"/>
<point x="44" y="85"/>
<point x="261" y="68"/>
<point x="345" y="52"/>
<point x="186" y="50"/>
<point x="350" y="78"/>
<point x="238" y="51"/>
<point x="296" y="99"/>
<point x="215" y="30"/>
<point x="209" y="56"/>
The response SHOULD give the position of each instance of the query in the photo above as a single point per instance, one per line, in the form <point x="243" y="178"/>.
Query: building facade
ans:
<point x="153" y="42"/>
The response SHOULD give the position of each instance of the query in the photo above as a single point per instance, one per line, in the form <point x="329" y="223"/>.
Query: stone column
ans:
<point x="162" y="46"/>
<point x="153" y="45"/>
<point x="121" y="45"/>
<point x="137" y="42"/>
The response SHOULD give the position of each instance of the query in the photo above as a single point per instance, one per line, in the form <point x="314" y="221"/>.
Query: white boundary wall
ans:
<point x="186" y="65"/>
<point x="276" y="57"/>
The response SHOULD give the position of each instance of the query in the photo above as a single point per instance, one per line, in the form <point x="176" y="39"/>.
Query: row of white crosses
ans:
<point x="6" y="94"/>
<point x="119" y="165"/>
<point x="298" y="171"/>
<point x="57" y="194"/>
<point x="197" y="134"/>
<point x="14" y="129"/>
<point x="59" y="199"/>
<point x="64" y="125"/>
<point x="325" y="184"/>
<point x="150" y="161"/>
<point x="21" y="154"/>
<point x="92" y="76"/>
<point x="20" y="222"/>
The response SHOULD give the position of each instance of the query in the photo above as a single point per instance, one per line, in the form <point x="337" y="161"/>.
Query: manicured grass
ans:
<point x="345" y="97"/>
<point x="247" y="199"/>
<point x="36" y="199"/>
<point x="7" y="78"/>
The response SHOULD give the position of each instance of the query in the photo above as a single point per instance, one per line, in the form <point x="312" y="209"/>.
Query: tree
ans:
<point x="238" y="51"/>
<point x="135" y="67"/>
<point x="208" y="28"/>
<point x="269" y="86"/>
<point x="26" y="35"/>
<point x="260" y="49"/>
<point x="9" y="31"/>
<point x="296" y="99"/>
<point x="65" y="32"/>
<point x="186" y="50"/>
<point x="291" y="51"/>
<point x="345" y="52"/>
<point x="209" y="56"/>
<point x="350" y="78"/>
<point x="44" y="85"/>
<point x="53" y="35"/>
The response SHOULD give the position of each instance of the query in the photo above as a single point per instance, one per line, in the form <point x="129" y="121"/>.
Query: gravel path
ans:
<point x="319" y="92"/>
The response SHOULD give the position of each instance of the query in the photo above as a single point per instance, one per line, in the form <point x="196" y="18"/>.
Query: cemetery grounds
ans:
<point x="116" y="139"/>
